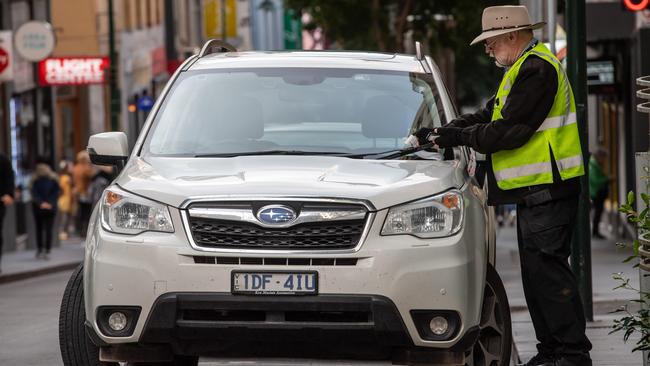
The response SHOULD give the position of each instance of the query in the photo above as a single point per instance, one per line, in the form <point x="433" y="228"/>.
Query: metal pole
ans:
<point x="114" y="91"/>
<point x="552" y="9"/>
<point x="170" y="31"/>
<point x="223" y="20"/>
<point x="576" y="70"/>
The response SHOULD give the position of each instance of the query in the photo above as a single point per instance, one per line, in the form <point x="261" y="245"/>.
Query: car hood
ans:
<point x="383" y="183"/>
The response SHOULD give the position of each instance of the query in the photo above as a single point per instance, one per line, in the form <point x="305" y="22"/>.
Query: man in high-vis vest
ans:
<point x="529" y="132"/>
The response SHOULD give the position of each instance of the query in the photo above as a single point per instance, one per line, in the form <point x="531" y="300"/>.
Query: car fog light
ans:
<point x="117" y="321"/>
<point x="439" y="325"/>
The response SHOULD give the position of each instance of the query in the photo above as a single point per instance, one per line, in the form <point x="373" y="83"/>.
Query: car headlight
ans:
<point x="125" y="213"/>
<point x="432" y="217"/>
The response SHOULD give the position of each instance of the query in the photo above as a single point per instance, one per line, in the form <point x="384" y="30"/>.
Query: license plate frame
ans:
<point x="236" y="290"/>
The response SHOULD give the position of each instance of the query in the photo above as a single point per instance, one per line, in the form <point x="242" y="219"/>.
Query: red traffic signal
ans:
<point x="636" y="5"/>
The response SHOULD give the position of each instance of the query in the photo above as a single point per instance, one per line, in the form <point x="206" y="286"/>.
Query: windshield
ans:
<point x="320" y="111"/>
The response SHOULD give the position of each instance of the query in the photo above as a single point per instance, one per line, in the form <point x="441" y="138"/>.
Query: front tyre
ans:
<point x="494" y="343"/>
<point x="76" y="347"/>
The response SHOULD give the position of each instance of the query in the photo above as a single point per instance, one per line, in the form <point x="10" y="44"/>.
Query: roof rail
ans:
<point x="418" y="51"/>
<point x="218" y="44"/>
<point x="420" y="57"/>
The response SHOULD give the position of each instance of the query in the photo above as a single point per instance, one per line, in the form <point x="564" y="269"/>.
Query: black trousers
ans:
<point x="544" y="236"/>
<point x="44" y="223"/>
<point x="83" y="217"/>
<point x="2" y="216"/>
<point x="599" y="206"/>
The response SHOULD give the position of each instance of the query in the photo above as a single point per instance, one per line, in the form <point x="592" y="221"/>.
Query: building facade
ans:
<point x="26" y="120"/>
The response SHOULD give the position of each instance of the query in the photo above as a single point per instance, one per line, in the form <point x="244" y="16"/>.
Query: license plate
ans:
<point x="274" y="283"/>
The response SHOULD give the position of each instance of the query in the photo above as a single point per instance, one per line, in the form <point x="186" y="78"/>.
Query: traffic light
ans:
<point x="636" y="5"/>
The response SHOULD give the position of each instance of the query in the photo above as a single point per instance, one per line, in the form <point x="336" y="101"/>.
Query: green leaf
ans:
<point x="630" y="198"/>
<point x="626" y="260"/>
<point x="645" y="198"/>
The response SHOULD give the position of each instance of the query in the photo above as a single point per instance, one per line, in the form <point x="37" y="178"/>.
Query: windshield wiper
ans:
<point x="267" y="152"/>
<point x="391" y="154"/>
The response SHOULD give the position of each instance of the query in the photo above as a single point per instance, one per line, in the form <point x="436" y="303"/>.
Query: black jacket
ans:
<point x="6" y="177"/>
<point x="45" y="189"/>
<point x="527" y="105"/>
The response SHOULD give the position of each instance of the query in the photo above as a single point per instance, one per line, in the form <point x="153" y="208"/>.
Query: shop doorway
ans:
<point x="70" y="134"/>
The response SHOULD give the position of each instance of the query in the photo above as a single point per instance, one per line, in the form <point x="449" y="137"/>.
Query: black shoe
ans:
<point x="540" y="360"/>
<point x="574" y="361"/>
<point x="598" y="236"/>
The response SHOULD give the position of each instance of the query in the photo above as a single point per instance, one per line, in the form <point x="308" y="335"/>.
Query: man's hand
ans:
<point x="45" y="206"/>
<point x="447" y="136"/>
<point x="7" y="200"/>
<point x="424" y="135"/>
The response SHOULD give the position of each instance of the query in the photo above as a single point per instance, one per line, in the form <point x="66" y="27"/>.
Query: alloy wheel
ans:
<point x="493" y="345"/>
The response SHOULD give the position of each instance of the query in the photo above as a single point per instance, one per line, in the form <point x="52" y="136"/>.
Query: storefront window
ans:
<point x="24" y="138"/>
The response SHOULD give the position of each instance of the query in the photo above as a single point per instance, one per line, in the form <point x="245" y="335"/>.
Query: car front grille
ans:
<point x="275" y="261"/>
<point x="319" y="235"/>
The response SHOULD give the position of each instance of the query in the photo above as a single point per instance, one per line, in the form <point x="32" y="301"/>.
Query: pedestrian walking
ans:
<point x="82" y="174"/>
<point x="598" y="189"/>
<point x="100" y="181"/>
<point x="6" y="192"/>
<point x="529" y="133"/>
<point x="45" y="196"/>
<point x="66" y="200"/>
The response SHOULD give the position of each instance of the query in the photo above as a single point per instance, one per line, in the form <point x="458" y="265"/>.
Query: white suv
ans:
<point x="270" y="208"/>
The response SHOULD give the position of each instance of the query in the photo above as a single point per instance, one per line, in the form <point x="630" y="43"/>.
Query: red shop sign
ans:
<point x="158" y="61"/>
<point x="72" y="70"/>
<point x="636" y="5"/>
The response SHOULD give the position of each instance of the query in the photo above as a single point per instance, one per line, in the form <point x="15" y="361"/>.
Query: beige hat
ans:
<point x="499" y="20"/>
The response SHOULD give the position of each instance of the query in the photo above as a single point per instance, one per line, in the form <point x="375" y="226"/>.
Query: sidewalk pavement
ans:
<point x="23" y="264"/>
<point x="608" y="349"/>
<point x="606" y="260"/>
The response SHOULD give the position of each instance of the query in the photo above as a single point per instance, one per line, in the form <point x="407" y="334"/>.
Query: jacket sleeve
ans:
<point x="483" y="115"/>
<point x="528" y="103"/>
<point x="36" y="192"/>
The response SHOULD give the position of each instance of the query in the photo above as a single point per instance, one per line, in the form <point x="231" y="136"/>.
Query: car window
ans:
<point x="319" y="110"/>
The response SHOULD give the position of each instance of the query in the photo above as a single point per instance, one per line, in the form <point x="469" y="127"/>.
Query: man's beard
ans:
<point x="500" y="63"/>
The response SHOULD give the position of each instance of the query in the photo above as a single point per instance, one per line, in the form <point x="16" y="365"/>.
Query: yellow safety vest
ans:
<point x="530" y="164"/>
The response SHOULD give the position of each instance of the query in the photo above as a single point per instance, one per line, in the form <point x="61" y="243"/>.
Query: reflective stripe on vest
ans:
<point x="530" y="164"/>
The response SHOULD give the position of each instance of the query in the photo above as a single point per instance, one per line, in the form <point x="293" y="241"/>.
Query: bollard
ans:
<point x="643" y="185"/>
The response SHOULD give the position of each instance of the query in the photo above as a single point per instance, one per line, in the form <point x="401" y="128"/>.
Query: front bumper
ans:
<point x="323" y="327"/>
<point x="153" y="270"/>
<point x="224" y="323"/>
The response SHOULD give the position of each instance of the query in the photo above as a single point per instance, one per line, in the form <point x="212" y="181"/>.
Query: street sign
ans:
<point x="636" y="5"/>
<point x="292" y="30"/>
<point x="34" y="40"/>
<point x="6" y="59"/>
<point x="145" y="103"/>
<point x="601" y="72"/>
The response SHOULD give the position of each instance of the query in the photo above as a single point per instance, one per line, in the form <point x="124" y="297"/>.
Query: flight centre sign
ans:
<point x="73" y="70"/>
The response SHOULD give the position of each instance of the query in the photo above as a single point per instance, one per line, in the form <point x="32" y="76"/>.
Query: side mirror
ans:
<point x="108" y="148"/>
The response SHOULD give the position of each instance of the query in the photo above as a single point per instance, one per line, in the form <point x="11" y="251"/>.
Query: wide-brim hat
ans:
<point x="498" y="20"/>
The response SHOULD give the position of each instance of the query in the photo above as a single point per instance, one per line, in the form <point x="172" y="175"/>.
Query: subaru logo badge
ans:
<point x="276" y="215"/>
